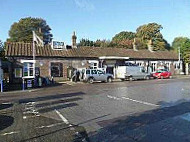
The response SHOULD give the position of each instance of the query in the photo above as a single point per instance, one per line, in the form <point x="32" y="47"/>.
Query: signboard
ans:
<point x="58" y="45"/>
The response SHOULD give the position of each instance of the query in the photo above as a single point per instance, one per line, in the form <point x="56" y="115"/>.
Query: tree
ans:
<point x="124" y="39"/>
<point x="86" y="42"/>
<point x="178" y="42"/>
<point x="22" y="31"/>
<point x="152" y="32"/>
<point x="184" y="44"/>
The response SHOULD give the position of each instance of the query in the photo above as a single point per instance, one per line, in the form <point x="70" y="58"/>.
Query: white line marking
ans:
<point x="10" y="133"/>
<point x="141" y="102"/>
<point x="48" y="126"/>
<point x="113" y="97"/>
<point x="62" y="117"/>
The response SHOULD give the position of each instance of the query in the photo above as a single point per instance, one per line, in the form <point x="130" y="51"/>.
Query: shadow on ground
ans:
<point x="5" y="121"/>
<point x="144" y="126"/>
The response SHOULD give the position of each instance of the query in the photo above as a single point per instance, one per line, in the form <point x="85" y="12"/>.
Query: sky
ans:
<point x="98" y="19"/>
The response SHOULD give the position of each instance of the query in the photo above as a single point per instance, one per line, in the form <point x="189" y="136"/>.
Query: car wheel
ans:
<point x="109" y="79"/>
<point x="147" y="77"/>
<point x="91" y="80"/>
<point x="162" y="77"/>
<point x="130" y="78"/>
<point x="170" y="77"/>
<point x="122" y="79"/>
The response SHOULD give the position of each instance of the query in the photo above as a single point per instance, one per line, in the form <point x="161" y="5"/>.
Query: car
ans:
<point x="92" y="75"/>
<point x="162" y="73"/>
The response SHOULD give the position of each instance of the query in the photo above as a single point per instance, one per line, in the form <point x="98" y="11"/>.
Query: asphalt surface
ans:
<point x="143" y="111"/>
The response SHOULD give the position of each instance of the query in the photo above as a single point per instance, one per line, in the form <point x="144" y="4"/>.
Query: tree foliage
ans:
<point x="184" y="44"/>
<point x="97" y="43"/>
<point x="152" y="31"/>
<point x="22" y="31"/>
<point x="124" y="39"/>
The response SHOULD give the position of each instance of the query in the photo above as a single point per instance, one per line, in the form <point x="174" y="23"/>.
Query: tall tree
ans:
<point x="124" y="39"/>
<point x="152" y="31"/>
<point x="178" y="42"/>
<point x="22" y="31"/>
<point x="184" y="44"/>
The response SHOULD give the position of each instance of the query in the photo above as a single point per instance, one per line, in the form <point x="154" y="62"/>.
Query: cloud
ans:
<point x="85" y="4"/>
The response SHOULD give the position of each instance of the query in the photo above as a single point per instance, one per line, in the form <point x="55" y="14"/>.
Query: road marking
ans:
<point x="49" y="126"/>
<point x="141" y="102"/>
<point x="113" y="97"/>
<point x="10" y="133"/>
<point x="62" y="117"/>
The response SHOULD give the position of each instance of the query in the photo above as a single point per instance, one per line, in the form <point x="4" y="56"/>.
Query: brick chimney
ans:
<point x="74" y="40"/>
<point x="150" y="45"/>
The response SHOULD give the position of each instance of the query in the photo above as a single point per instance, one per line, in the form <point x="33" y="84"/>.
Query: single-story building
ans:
<point x="60" y="62"/>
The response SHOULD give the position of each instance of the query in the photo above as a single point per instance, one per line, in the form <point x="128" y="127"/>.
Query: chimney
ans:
<point x="150" y="46"/>
<point x="134" y="45"/>
<point x="74" y="40"/>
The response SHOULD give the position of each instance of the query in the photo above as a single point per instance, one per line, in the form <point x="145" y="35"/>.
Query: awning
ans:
<point x="113" y="57"/>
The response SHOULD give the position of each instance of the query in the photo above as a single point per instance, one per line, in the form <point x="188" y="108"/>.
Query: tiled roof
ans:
<point x="25" y="50"/>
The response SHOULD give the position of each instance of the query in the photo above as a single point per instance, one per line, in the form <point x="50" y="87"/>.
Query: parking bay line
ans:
<point x="141" y="102"/>
<point x="62" y="117"/>
<point x="137" y="101"/>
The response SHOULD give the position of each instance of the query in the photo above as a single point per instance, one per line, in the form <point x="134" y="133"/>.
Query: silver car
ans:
<point x="92" y="75"/>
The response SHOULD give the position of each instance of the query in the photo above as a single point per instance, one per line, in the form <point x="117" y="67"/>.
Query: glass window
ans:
<point x="94" y="71"/>
<point x="100" y="72"/>
<point x="18" y="72"/>
<point x="87" y="71"/>
<point x="28" y="69"/>
<point x="56" y="69"/>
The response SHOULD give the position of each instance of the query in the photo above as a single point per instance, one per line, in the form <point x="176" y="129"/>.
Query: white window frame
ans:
<point x="92" y="62"/>
<point x="33" y="67"/>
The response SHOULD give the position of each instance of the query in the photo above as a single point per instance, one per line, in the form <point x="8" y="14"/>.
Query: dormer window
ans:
<point x="57" y="45"/>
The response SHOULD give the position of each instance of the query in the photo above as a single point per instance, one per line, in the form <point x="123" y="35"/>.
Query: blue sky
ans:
<point x="98" y="19"/>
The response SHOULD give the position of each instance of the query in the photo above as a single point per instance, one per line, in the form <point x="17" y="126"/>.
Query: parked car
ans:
<point x="162" y="73"/>
<point x="92" y="75"/>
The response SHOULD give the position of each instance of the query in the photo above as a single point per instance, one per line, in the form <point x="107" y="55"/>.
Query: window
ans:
<point x="56" y="69"/>
<point x="18" y="72"/>
<point x="28" y="68"/>
<point x="87" y="71"/>
<point x="100" y="72"/>
<point x="94" y="71"/>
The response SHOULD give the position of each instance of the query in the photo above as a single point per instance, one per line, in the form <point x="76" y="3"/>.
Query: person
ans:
<point x="77" y="76"/>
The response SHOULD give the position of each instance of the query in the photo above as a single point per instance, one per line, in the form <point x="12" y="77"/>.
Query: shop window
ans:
<point x="56" y="69"/>
<point x="18" y="72"/>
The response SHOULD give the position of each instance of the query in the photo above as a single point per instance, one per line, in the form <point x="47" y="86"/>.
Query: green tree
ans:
<point x="86" y="42"/>
<point x="152" y="31"/>
<point x="123" y="35"/>
<point x="184" y="44"/>
<point x="123" y="39"/>
<point x="178" y="42"/>
<point x="22" y="31"/>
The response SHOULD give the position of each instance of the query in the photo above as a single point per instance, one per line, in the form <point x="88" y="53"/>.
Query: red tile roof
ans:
<point x="25" y="50"/>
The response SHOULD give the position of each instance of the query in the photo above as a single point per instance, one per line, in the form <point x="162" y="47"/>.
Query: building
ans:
<point x="59" y="63"/>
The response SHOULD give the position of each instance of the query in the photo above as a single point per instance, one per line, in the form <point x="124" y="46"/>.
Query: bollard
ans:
<point x="23" y="85"/>
<point x="1" y="86"/>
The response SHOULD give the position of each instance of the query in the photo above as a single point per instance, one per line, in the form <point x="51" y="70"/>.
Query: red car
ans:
<point x="162" y="73"/>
